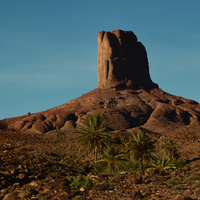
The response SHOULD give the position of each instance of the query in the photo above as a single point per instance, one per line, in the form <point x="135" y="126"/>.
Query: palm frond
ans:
<point x="140" y="146"/>
<point x="112" y="156"/>
<point x="162" y="163"/>
<point x="93" y="134"/>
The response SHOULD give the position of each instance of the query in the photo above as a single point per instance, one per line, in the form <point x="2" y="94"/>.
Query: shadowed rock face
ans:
<point x="122" y="61"/>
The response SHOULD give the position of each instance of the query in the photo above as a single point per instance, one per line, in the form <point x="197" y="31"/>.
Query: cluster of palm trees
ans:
<point x="95" y="138"/>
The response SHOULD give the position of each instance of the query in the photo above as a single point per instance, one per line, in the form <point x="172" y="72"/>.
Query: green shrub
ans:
<point x="197" y="190"/>
<point x="61" y="162"/>
<point x="114" y="185"/>
<point x="118" y="177"/>
<point x="111" y="157"/>
<point x="140" y="147"/>
<point x="130" y="166"/>
<point x="79" y="197"/>
<point x="100" y="168"/>
<point x="171" y="148"/>
<point x="29" y="187"/>
<point x="178" y="163"/>
<point x="197" y="185"/>
<point x="69" y="179"/>
<point x="79" y="182"/>
<point x="177" y="187"/>
<point x="171" y="180"/>
<point x="60" y="133"/>
<point x="193" y="177"/>
<point x="162" y="163"/>
<point x="124" y="139"/>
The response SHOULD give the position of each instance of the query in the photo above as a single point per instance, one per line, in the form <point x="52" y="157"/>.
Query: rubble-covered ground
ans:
<point x="36" y="167"/>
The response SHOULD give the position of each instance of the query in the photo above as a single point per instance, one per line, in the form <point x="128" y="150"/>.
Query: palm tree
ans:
<point x="112" y="156"/>
<point x="141" y="147"/>
<point x="93" y="134"/>
<point x="99" y="168"/>
<point x="171" y="148"/>
<point x="162" y="163"/>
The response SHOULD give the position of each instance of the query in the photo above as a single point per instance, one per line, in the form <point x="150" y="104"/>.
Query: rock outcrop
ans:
<point x="125" y="95"/>
<point x="122" y="61"/>
<point x="155" y="111"/>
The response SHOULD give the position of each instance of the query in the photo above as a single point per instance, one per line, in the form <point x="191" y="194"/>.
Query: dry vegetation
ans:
<point x="36" y="167"/>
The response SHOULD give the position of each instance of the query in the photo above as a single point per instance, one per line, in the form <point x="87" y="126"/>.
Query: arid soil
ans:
<point x="35" y="166"/>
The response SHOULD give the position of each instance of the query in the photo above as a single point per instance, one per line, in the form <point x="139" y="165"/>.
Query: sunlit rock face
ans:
<point x="122" y="61"/>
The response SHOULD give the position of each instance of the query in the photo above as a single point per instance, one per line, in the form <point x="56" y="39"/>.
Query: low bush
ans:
<point x="113" y="184"/>
<point x="162" y="163"/>
<point x="197" y="190"/>
<point x="79" y="182"/>
<point x="171" y="180"/>
<point x="99" y="168"/>
<point x="177" y="187"/>
<point x="193" y="177"/>
<point x="197" y="185"/>
<point x="130" y="166"/>
<point x="79" y="197"/>
<point x="178" y="163"/>
<point x="60" y="133"/>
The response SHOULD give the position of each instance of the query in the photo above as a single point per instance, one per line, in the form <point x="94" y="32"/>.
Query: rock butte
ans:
<point x="122" y="61"/>
<point x="126" y="95"/>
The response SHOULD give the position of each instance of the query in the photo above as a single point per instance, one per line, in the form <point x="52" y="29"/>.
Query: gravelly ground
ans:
<point x="35" y="167"/>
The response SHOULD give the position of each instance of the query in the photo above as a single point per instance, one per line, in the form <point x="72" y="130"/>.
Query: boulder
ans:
<point x="136" y="195"/>
<point x="11" y="196"/>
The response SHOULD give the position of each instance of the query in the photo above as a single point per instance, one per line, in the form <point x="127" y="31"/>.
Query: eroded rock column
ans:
<point x="122" y="61"/>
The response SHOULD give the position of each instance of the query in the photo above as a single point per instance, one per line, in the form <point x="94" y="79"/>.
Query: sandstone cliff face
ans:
<point x="122" y="61"/>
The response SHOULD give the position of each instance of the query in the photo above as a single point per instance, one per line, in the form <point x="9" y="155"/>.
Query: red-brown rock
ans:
<point x="128" y="109"/>
<point x="125" y="95"/>
<point x="122" y="61"/>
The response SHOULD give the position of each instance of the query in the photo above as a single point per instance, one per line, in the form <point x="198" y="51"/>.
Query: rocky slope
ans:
<point x="154" y="110"/>
<point x="35" y="167"/>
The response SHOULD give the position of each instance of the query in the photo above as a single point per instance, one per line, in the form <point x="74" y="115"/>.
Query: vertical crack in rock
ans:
<point x="107" y="69"/>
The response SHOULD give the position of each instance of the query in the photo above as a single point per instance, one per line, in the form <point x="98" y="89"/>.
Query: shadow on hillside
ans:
<point x="192" y="160"/>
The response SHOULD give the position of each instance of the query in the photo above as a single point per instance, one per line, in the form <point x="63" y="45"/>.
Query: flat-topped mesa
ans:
<point x="122" y="61"/>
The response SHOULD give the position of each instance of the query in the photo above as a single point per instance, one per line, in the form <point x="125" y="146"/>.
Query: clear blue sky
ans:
<point x="48" y="52"/>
